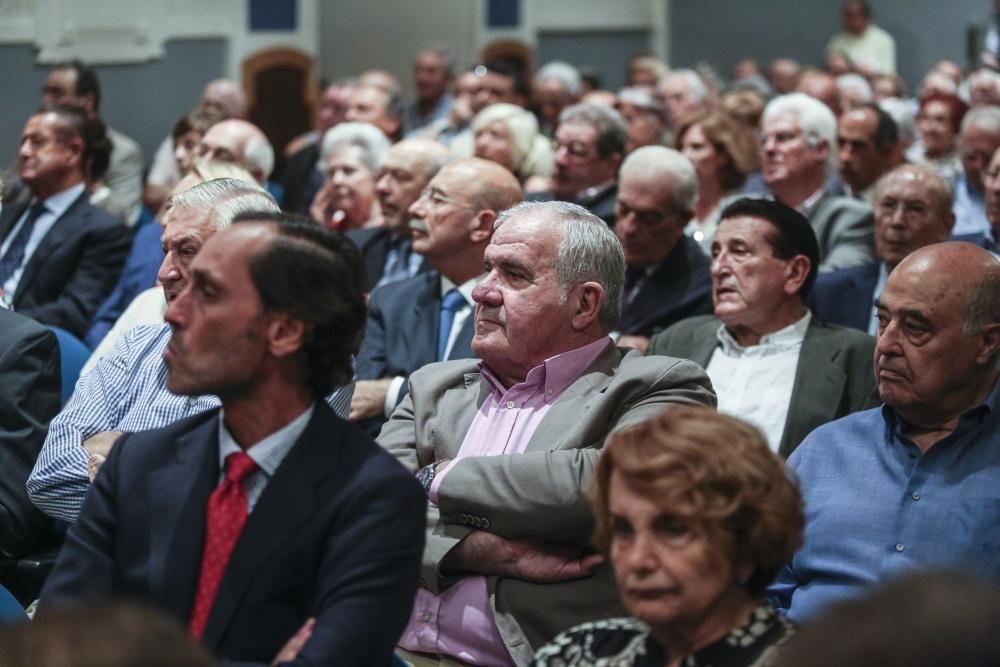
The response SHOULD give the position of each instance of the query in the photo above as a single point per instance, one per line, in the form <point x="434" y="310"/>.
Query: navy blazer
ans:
<point x="681" y="287"/>
<point x="374" y="244"/>
<point x="74" y="267"/>
<point x="844" y="297"/>
<point x="337" y="534"/>
<point x="402" y="332"/>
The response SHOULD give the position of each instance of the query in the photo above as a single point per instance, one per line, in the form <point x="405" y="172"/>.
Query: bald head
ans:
<point x="241" y="143"/>
<point x="406" y="170"/>
<point x="453" y="219"/>
<point x="912" y="210"/>
<point x="225" y="96"/>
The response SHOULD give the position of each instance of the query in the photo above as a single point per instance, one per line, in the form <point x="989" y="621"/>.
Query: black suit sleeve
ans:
<point x="372" y="355"/>
<point x="29" y="399"/>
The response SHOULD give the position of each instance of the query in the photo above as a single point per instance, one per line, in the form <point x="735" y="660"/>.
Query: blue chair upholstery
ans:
<point x="10" y="609"/>
<point x="74" y="355"/>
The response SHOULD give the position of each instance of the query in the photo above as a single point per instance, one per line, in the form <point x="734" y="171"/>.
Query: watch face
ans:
<point x="426" y="476"/>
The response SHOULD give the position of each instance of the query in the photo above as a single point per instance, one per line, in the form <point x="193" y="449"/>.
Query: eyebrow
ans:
<point x="201" y="277"/>
<point x="906" y="312"/>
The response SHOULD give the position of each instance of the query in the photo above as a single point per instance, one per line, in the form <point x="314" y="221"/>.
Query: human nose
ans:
<point x="169" y="269"/>
<point x="417" y="209"/>
<point x="720" y="264"/>
<point x="383" y="185"/>
<point x="486" y="292"/>
<point x="177" y="310"/>
<point x="887" y="339"/>
<point x="640" y="553"/>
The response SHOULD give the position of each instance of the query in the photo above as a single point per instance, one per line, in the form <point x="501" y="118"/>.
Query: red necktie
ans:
<point x="227" y="512"/>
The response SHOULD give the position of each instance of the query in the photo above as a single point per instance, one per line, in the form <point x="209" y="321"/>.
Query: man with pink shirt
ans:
<point x="505" y="446"/>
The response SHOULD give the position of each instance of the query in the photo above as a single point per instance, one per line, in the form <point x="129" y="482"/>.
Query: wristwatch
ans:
<point x="426" y="476"/>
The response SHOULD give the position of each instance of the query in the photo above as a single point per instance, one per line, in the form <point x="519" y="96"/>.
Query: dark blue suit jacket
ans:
<point x="74" y="267"/>
<point x="681" y="287"/>
<point x="374" y="243"/>
<point x="402" y="332"/>
<point x="338" y="534"/>
<point x="844" y="296"/>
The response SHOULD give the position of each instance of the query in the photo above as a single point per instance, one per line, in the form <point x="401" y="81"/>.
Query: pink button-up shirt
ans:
<point x="459" y="622"/>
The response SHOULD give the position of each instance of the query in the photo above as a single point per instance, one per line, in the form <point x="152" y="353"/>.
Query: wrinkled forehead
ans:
<point x="929" y="287"/>
<point x="533" y="235"/>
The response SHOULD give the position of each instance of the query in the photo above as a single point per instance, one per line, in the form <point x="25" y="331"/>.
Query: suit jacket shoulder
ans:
<point x="844" y="297"/>
<point x="694" y="338"/>
<point x="845" y="229"/>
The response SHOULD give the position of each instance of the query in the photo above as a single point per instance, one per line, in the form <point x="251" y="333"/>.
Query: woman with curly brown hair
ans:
<point x="697" y="516"/>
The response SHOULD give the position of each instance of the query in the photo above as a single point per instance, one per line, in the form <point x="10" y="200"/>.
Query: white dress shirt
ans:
<point x="755" y="383"/>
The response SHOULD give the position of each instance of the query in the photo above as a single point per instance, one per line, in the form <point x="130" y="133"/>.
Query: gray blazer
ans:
<point x="536" y="495"/>
<point x="835" y="375"/>
<point x="845" y="229"/>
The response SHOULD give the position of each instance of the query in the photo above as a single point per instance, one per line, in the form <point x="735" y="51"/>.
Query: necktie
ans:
<point x="450" y="305"/>
<point x="633" y="281"/>
<point x="14" y="256"/>
<point x="397" y="263"/>
<point x="227" y="512"/>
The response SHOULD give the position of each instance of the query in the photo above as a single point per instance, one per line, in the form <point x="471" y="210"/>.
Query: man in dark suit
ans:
<point x="666" y="276"/>
<point x="589" y="146"/>
<point x="770" y="361"/>
<point x="427" y="318"/>
<point x="29" y="399"/>
<point x="505" y="446"/>
<point x="388" y="250"/>
<point x="913" y="208"/>
<point x="270" y="518"/>
<point x="59" y="256"/>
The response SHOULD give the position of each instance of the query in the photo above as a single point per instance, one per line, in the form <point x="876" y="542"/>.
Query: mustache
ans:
<point x="418" y="225"/>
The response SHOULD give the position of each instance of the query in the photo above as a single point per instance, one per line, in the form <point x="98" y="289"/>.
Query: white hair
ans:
<point x="856" y="82"/>
<point x="985" y="118"/>
<point x="667" y="163"/>
<point x="224" y="199"/>
<point x="371" y="140"/>
<point x="564" y="73"/>
<point x="814" y="118"/>
<point x="698" y="89"/>
<point x="904" y="112"/>
<point x="259" y="155"/>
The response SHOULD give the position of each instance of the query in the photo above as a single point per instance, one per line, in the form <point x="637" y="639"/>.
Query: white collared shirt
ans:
<point x="55" y="206"/>
<point x="755" y="383"/>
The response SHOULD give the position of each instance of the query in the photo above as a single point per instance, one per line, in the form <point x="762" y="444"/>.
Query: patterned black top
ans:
<point x="626" y="642"/>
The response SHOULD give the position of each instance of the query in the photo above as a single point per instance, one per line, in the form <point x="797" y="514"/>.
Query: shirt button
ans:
<point x="899" y="547"/>
<point x="915" y="495"/>
<point x="510" y="404"/>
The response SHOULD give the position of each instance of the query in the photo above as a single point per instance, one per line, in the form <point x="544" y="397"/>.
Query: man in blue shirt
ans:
<point x="914" y="484"/>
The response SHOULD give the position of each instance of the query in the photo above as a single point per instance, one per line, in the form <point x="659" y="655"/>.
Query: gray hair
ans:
<point x="668" y="164"/>
<point x="904" y="112"/>
<point x="564" y="73"/>
<point x="984" y="303"/>
<point x="814" y="118"/>
<point x="223" y="199"/>
<point x="852" y="81"/>
<point x="588" y="251"/>
<point x="985" y="118"/>
<point x="371" y="140"/>
<point x="612" y="136"/>
<point x="522" y="125"/>
<point x="699" y="91"/>
<point x="642" y="97"/>
<point x="444" y="52"/>
<point x="259" y="154"/>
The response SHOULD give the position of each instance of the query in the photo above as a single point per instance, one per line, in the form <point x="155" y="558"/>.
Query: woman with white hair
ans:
<point x="509" y="135"/>
<point x="350" y="158"/>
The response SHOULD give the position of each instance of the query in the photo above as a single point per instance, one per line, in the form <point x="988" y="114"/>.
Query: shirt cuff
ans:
<point x="392" y="396"/>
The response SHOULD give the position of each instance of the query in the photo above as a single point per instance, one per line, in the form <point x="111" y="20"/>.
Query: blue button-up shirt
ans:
<point x="876" y="507"/>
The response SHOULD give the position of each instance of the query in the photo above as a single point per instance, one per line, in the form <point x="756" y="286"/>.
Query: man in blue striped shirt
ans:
<point x="126" y="391"/>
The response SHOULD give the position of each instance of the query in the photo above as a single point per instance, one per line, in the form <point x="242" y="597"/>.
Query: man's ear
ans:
<point x="822" y="149"/>
<point x="285" y="334"/>
<point x="482" y="226"/>
<point x="588" y="298"/>
<point x="990" y="345"/>
<point x="797" y="271"/>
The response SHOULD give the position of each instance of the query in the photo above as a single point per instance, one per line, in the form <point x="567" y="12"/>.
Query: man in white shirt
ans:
<point x="422" y="319"/>
<point x="870" y="49"/>
<point x="770" y="361"/>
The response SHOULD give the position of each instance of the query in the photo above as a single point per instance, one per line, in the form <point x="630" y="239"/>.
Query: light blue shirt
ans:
<point x="55" y="206"/>
<point x="876" y="507"/>
<point x="969" y="209"/>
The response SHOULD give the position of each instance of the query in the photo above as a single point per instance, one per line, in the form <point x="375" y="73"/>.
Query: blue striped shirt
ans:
<point x="126" y="392"/>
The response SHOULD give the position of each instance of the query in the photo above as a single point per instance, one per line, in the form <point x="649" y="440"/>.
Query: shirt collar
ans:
<point x="806" y="207"/>
<point x="555" y="374"/>
<point x="269" y="452"/>
<point x="781" y="339"/>
<point x="465" y="288"/>
<point x="970" y="419"/>
<point x="60" y="201"/>
<point x="593" y="192"/>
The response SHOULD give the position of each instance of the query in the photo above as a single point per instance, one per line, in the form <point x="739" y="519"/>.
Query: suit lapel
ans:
<point x="456" y="410"/>
<point x="60" y="231"/>
<point x="705" y="340"/>
<point x="9" y="217"/>
<point x="574" y="402"/>
<point x="817" y="388"/>
<point x="462" y="349"/>
<point x="178" y="498"/>
<point x="420" y="327"/>
<point x="289" y="500"/>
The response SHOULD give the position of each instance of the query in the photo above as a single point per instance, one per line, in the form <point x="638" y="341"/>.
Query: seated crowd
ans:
<point x="514" y="374"/>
